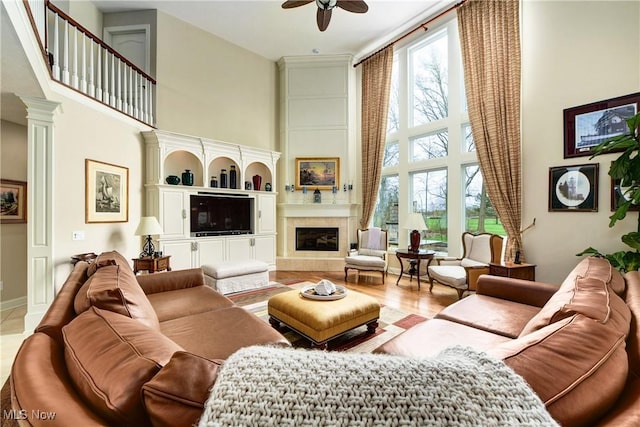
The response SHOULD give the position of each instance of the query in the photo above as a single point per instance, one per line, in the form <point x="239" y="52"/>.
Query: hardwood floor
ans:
<point x="405" y="296"/>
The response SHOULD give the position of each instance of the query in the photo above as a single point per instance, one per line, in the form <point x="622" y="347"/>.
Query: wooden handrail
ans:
<point x="98" y="40"/>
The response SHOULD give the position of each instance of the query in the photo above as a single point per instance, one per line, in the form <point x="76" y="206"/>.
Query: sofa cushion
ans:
<point x="577" y="366"/>
<point x="109" y="357"/>
<point x="175" y="396"/>
<point x="491" y="314"/>
<point x="115" y="288"/>
<point x="585" y="295"/>
<point x="227" y="330"/>
<point x="431" y="337"/>
<point x="106" y="259"/>
<point x="185" y="302"/>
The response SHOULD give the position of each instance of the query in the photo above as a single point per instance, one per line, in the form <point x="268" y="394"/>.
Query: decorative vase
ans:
<point x="257" y="182"/>
<point x="214" y="182"/>
<point x="415" y="241"/>
<point x="223" y="178"/>
<point x="267" y="186"/>
<point x="232" y="176"/>
<point x="187" y="177"/>
<point x="173" y="180"/>
<point x="317" y="196"/>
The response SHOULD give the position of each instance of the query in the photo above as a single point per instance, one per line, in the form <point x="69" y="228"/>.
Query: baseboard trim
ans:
<point x="13" y="303"/>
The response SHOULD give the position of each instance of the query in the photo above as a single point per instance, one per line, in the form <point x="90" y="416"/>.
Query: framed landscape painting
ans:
<point x="588" y="125"/>
<point x="13" y="201"/>
<point x="573" y="188"/>
<point x="322" y="173"/>
<point x="106" y="192"/>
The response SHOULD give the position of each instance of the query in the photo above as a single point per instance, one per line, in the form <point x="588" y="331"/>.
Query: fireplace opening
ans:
<point x="317" y="238"/>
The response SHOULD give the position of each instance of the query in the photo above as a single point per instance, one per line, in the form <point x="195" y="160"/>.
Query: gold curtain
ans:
<point x="376" y="86"/>
<point x="490" y="41"/>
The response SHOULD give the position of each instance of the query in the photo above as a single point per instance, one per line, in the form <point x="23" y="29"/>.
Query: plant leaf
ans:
<point x="590" y="251"/>
<point x="632" y="240"/>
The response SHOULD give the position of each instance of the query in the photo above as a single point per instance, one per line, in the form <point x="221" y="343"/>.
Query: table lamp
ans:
<point x="148" y="225"/>
<point x="415" y="223"/>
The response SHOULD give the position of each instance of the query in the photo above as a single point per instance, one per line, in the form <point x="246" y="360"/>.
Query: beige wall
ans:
<point x="82" y="132"/>
<point x="211" y="88"/>
<point x="574" y="53"/>
<point x="87" y="15"/>
<point x="13" y="237"/>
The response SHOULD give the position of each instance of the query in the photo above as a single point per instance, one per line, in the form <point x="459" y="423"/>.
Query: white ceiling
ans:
<point x="263" y="27"/>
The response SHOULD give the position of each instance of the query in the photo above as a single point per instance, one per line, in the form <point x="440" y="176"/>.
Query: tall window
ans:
<point x="430" y="164"/>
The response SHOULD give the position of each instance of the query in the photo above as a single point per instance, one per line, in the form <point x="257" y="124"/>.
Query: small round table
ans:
<point x="414" y="258"/>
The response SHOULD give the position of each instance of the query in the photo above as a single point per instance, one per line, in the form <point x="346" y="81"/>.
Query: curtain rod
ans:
<point x="404" y="36"/>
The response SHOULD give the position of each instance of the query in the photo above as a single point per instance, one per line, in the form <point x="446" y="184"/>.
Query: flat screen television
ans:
<point x="214" y="214"/>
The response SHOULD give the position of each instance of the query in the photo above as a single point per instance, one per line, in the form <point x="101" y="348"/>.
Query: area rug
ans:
<point x="391" y="323"/>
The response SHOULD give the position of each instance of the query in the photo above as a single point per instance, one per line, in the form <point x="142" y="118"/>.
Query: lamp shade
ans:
<point x="148" y="226"/>
<point x="415" y="221"/>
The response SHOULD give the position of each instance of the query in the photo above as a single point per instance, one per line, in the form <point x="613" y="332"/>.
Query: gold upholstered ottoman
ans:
<point x="322" y="321"/>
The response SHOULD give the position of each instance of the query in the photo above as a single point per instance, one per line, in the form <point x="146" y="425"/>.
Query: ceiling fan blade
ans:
<point x="290" y="4"/>
<point x="355" y="6"/>
<point x="323" y="17"/>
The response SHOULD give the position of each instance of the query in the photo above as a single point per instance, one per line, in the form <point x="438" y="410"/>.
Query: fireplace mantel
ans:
<point x="335" y="210"/>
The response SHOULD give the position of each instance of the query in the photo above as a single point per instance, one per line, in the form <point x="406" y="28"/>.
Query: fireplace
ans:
<point x="317" y="239"/>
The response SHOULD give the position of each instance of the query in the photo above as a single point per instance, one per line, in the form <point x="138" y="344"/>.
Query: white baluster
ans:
<point x="65" y="54"/>
<point x="56" y="47"/>
<point x="112" y="85"/>
<point x="99" y="73"/>
<point x="74" y="69"/>
<point x="92" y="70"/>
<point x="119" y="87"/>
<point x="151" y="119"/>
<point x="106" y="78"/>
<point x="135" y="95"/>
<point x="83" y="73"/>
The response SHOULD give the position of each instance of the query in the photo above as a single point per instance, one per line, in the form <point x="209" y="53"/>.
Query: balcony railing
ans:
<point x="82" y="61"/>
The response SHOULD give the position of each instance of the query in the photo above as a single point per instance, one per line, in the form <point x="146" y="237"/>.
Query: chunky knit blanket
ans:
<point x="265" y="386"/>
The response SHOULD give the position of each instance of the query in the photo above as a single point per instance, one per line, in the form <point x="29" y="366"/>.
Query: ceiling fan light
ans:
<point x="326" y="4"/>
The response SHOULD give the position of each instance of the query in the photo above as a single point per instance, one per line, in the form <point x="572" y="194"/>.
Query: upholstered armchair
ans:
<point x="371" y="253"/>
<point x="462" y="273"/>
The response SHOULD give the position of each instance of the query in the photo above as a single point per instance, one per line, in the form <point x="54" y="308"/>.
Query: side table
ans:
<point x="151" y="264"/>
<point x="515" y="271"/>
<point x="414" y="262"/>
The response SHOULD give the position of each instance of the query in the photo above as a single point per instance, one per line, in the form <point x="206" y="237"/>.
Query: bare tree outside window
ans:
<point x="430" y="80"/>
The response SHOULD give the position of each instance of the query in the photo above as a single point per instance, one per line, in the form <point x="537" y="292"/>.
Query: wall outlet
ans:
<point x="77" y="235"/>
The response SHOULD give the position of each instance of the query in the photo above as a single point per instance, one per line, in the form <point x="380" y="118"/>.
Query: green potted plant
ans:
<point x="625" y="169"/>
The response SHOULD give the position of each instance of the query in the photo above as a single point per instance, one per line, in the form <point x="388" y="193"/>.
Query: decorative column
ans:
<point x="40" y="179"/>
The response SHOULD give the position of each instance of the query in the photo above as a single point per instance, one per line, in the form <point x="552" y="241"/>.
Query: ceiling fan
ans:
<point x="326" y="6"/>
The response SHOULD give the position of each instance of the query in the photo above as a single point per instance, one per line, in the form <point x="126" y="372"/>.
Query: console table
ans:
<point x="515" y="271"/>
<point x="151" y="264"/>
<point x="414" y="262"/>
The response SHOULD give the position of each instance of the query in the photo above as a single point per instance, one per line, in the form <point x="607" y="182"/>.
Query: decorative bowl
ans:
<point x="173" y="180"/>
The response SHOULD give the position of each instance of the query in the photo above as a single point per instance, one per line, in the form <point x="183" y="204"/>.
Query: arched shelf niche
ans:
<point x="176" y="162"/>
<point x="259" y="168"/>
<point x="219" y="163"/>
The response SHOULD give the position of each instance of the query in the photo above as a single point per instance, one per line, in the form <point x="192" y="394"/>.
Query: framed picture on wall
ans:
<point x="13" y="201"/>
<point x="106" y="192"/>
<point x="588" y="125"/>
<point x="573" y="188"/>
<point x="322" y="173"/>
<point x="618" y="196"/>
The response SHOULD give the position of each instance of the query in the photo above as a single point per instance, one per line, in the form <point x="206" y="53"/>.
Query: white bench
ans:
<point x="236" y="276"/>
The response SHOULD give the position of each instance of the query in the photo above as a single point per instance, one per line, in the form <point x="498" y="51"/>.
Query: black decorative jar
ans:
<point x="187" y="177"/>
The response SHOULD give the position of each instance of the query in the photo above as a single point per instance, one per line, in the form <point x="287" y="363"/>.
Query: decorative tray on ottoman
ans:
<point x="310" y="292"/>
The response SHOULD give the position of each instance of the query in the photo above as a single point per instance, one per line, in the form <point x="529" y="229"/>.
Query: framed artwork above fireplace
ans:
<point x="322" y="173"/>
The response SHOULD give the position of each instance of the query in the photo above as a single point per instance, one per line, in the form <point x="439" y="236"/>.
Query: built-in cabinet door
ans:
<point x="174" y="211"/>
<point x="264" y="249"/>
<point x="239" y="248"/>
<point x="181" y="253"/>
<point x="209" y="252"/>
<point x="266" y="213"/>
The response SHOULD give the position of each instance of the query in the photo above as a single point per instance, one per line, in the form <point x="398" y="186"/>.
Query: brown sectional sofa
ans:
<point x="119" y="349"/>
<point x="576" y="345"/>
